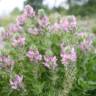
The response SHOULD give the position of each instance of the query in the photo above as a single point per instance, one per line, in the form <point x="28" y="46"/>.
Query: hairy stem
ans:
<point x="70" y="76"/>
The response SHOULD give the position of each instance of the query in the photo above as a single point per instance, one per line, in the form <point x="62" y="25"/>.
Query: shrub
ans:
<point x="40" y="57"/>
<point x="36" y="4"/>
<point x="94" y="30"/>
<point x="84" y="10"/>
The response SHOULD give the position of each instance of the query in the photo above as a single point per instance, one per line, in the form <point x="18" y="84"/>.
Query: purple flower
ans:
<point x="81" y="34"/>
<point x="43" y="21"/>
<point x="86" y="44"/>
<point x="50" y="62"/>
<point x="33" y="31"/>
<point x="65" y="57"/>
<point x="28" y="11"/>
<point x="6" y="61"/>
<point x="73" y="22"/>
<point x="21" y="19"/>
<point x="11" y="29"/>
<point x="18" y="41"/>
<point x="68" y="23"/>
<point x="64" y="24"/>
<point x="68" y="54"/>
<point x="34" y="55"/>
<point x="16" y="82"/>
<point x="55" y="27"/>
<point x="1" y="59"/>
<point x="6" y="34"/>
<point x="14" y="28"/>
<point x="73" y="55"/>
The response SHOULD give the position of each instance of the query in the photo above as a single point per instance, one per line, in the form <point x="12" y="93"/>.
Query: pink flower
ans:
<point x="14" y="28"/>
<point x="6" y="61"/>
<point x="1" y="59"/>
<point x="65" y="56"/>
<point x="43" y="21"/>
<point x="18" y="41"/>
<point x="6" y="34"/>
<point x="28" y="11"/>
<point x="73" y="55"/>
<point x="33" y="31"/>
<point x="34" y="55"/>
<point x="11" y="29"/>
<point x="81" y="34"/>
<point x="16" y="82"/>
<point x="64" y="24"/>
<point x="50" y="62"/>
<point x="55" y="27"/>
<point x="73" y="22"/>
<point x="69" y="23"/>
<point x="68" y="55"/>
<point x="21" y="19"/>
<point x="86" y="44"/>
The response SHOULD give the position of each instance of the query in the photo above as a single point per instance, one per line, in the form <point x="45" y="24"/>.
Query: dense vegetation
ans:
<point x="45" y="56"/>
<point x="87" y="9"/>
<point x="36" y="4"/>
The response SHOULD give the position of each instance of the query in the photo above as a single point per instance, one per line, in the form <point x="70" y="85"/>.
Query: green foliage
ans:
<point x="38" y="80"/>
<point x="94" y="30"/>
<point x="36" y="4"/>
<point x="73" y="79"/>
<point x="6" y="20"/>
<point x="15" y="12"/>
<point x="84" y="10"/>
<point x="85" y="84"/>
<point x="87" y="9"/>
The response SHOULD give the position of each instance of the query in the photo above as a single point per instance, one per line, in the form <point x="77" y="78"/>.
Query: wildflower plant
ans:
<point x="40" y="55"/>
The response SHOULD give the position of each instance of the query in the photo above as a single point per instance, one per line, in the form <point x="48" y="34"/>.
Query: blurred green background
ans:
<point x="85" y="10"/>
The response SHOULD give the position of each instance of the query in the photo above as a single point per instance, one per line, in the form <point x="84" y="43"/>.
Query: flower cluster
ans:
<point x="18" y="41"/>
<point x="21" y="19"/>
<point x="66" y="24"/>
<point x="68" y="54"/>
<point x="33" y="31"/>
<point x="86" y="44"/>
<point x="50" y="62"/>
<point x="81" y="34"/>
<point x="34" y="55"/>
<point x="14" y="28"/>
<point x="6" y="62"/>
<point x="17" y="26"/>
<point x="28" y="11"/>
<point x="72" y="21"/>
<point x="43" y="21"/>
<point x="16" y="82"/>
